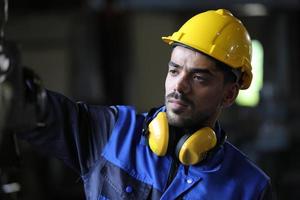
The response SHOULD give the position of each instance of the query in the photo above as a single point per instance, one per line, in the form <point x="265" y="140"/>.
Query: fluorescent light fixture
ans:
<point x="253" y="9"/>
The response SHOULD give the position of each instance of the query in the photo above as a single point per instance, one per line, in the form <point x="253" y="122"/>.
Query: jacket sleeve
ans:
<point x="268" y="193"/>
<point x="75" y="132"/>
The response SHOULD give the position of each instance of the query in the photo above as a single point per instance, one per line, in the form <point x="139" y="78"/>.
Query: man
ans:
<point x="176" y="151"/>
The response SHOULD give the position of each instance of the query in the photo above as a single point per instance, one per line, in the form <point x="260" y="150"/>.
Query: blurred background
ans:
<point x="110" y="52"/>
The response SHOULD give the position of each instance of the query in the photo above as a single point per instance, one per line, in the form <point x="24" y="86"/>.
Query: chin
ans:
<point x="177" y="121"/>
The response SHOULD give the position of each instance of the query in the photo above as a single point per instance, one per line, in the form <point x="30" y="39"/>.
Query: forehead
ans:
<point x="189" y="58"/>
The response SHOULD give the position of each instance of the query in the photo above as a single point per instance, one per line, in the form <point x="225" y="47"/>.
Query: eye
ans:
<point x="198" y="77"/>
<point x="173" y="71"/>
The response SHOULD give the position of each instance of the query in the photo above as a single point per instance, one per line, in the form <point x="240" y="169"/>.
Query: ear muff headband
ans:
<point x="190" y="149"/>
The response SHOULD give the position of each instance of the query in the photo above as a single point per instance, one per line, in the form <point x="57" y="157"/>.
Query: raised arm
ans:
<point x="72" y="132"/>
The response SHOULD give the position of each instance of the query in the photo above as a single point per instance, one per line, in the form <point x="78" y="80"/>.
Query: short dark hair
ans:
<point x="230" y="75"/>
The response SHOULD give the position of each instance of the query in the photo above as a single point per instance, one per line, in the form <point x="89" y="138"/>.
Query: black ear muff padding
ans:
<point x="180" y="143"/>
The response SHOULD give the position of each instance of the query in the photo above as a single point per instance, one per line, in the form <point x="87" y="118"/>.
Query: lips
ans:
<point x="178" y="105"/>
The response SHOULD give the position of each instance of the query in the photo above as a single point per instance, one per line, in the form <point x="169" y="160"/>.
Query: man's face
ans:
<point x="194" y="89"/>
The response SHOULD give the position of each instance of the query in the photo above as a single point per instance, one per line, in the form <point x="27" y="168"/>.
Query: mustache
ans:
<point x="181" y="97"/>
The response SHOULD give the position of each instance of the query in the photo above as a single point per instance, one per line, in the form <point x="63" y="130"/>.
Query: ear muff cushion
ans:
<point x="193" y="148"/>
<point x="158" y="136"/>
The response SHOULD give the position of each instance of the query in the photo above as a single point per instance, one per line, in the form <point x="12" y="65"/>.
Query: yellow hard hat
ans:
<point x="220" y="35"/>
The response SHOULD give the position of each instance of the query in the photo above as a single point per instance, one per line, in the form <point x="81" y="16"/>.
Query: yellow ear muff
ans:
<point x="190" y="149"/>
<point x="195" y="147"/>
<point x="158" y="136"/>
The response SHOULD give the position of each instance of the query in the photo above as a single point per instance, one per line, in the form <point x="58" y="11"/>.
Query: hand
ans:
<point x="10" y="85"/>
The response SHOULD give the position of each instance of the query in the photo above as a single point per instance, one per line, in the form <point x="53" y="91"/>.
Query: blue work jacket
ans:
<point x="105" y="145"/>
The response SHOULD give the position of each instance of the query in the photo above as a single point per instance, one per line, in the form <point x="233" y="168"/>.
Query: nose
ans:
<point x="183" y="84"/>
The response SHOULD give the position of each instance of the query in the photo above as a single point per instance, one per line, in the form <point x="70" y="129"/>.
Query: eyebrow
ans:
<point x="172" y="64"/>
<point x="193" y="70"/>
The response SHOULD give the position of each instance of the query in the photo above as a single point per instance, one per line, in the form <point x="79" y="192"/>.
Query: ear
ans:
<point x="231" y="91"/>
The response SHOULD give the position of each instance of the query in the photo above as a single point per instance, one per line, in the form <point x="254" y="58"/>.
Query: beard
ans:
<point x="187" y="116"/>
